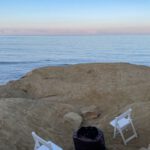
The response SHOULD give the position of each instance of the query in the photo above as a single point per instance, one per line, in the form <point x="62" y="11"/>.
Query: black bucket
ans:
<point x="89" y="138"/>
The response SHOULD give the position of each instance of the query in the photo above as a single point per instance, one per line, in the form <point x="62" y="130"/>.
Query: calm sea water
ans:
<point x="21" y="54"/>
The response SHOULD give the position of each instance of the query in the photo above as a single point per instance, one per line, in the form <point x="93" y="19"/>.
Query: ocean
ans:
<point x="21" y="54"/>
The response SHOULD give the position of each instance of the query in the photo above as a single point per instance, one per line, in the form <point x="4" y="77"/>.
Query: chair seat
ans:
<point x="43" y="147"/>
<point x="54" y="147"/>
<point x="122" y="122"/>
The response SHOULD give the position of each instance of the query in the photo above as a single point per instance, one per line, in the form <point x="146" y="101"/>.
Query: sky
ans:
<point x="69" y="17"/>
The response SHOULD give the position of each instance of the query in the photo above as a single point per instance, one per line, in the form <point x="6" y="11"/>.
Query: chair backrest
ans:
<point x="126" y="114"/>
<point x="39" y="141"/>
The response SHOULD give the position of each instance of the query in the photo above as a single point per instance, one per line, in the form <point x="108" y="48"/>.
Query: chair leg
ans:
<point x="115" y="130"/>
<point x="134" y="129"/>
<point x="123" y="138"/>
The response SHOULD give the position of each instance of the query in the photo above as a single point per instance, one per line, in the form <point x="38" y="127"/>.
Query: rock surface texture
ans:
<point x="73" y="120"/>
<point x="90" y="112"/>
<point x="40" y="100"/>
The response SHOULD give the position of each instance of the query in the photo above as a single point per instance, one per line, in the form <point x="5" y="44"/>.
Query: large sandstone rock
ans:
<point x="19" y="117"/>
<point x="38" y="102"/>
<point x="90" y="112"/>
<point x="73" y="119"/>
<point x="94" y="82"/>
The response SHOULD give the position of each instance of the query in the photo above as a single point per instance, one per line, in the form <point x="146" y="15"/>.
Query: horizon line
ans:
<point x="75" y="34"/>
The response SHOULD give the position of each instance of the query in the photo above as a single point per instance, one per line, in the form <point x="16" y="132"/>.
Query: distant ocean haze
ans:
<point x="21" y="54"/>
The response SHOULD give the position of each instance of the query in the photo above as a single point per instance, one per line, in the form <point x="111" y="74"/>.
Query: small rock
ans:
<point x="73" y="119"/>
<point x="90" y="112"/>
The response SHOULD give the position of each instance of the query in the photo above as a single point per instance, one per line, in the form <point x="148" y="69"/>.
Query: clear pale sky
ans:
<point x="46" y="17"/>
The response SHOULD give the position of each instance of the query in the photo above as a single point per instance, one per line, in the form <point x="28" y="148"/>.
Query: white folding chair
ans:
<point x="121" y="123"/>
<point x="41" y="144"/>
